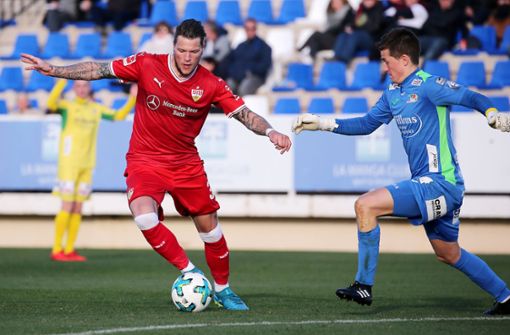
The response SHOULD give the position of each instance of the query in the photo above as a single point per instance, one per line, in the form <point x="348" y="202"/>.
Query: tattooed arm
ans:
<point x="79" y="71"/>
<point x="260" y="126"/>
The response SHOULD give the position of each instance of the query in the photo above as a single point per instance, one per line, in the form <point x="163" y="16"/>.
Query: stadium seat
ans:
<point x="290" y="10"/>
<point x="25" y="43"/>
<point x="118" y="44"/>
<point x="500" y="75"/>
<point x="287" y="106"/>
<point x="298" y="76"/>
<point x="38" y="81"/>
<point x="472" y="74"/>
<point x="487" y="37"/>
<point x="57" y="45"/>
<point x="145" y="37"/>
<point x="332" y="75"/>
<point x="11" y="78"/>
<point x="321" y="105"/>
<point x="262" y="11"/>
<point x="88" y="45"/>
<point x="228" y="11"/>
<point x="196" y="9"/>
<point x="438" y="68"/>
<point x="3" y="107"/>
<point x="358" y="105"/>
<point x="504" y="47"/>
<point x="164" y="10"/>
<point x="367" y="75"/>
<point x="501" y="103"/>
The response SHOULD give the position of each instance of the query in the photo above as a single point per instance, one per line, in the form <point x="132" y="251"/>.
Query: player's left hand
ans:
<point x="281" y="142"/>
<point x="499" y="121"/>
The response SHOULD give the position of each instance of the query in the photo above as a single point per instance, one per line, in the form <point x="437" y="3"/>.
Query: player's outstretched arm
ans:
<point x="79" y="71"/>
<point x="498" y="120"/>
<point x="260" y="126"/>
<point x="309" y="121"/>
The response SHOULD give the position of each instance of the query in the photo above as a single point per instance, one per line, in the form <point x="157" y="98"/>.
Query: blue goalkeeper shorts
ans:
<point x="430" y="201"/>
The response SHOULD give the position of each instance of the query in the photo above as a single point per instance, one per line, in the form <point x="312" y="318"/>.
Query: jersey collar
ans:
<point x="410" y="77"/>
<point x="175" y="75"/>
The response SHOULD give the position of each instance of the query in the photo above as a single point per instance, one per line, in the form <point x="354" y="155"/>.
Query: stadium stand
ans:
<point x="321" y="105"/>
<point x="290" y="11"/>
<point x="11" y="78"/>
<point x="228" y="11"/>
<point x="298" y="76"/>
<point x="472" y="73"/>
<point x="287" y="106"/>
<point x="164" y="10"/>
<point x="57" y="45"/>
<point x="25" y="43"/>
<point x="355" y="105"/>
<point x="88" y="45"/>
<point x="38" y="81"/>
<point x="331" y="76"/>
<point x="118" y="44"/>
<point x="438" y="68"/>
<point x="3" y="107"/>
<point x="366" y="75"/>
<point x="262" y="11"/>
<point x="197" y="10"/>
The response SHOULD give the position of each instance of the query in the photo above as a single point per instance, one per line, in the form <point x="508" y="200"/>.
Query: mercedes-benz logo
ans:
<point x="153" y="102"/>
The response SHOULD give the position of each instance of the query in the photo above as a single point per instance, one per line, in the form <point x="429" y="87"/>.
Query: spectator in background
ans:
<point x="161" y="42"/>
<point x="338" y="14"/>
<point x="218" y="47"/>
<point x="361" y="33"/>
<point x="476" y="11"/>
<point x="59" y="13"/>
<point x="76" y="159"/>
<point x="499" y="18"/>
<point x="24" y="106"/>
<point x="119" y="12"/>
<point x="250" y="62"/>
<point x="411" y="15"/>
<point x="440" y="30"/>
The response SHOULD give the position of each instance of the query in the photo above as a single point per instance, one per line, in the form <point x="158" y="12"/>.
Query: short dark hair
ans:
<point x="401" y="41"/>
<point x="190" y="29"/>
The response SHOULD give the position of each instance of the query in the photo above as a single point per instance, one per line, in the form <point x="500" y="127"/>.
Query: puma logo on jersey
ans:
<point x="160" y="83"/>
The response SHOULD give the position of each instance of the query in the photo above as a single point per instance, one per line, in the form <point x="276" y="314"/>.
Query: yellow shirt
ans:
<point x="80" y="123"/>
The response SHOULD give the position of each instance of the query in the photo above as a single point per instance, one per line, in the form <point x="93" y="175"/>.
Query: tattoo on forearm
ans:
<point x="83" y="71"/>
<point x="252" y="121"/>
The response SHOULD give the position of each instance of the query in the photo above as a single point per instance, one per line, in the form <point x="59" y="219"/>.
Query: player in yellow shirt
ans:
<point x="77" y="158"/>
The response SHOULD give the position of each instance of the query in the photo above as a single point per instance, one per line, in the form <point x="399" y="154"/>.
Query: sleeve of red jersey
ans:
<point x="226" y="100"/>
<point x="128" y="69"/>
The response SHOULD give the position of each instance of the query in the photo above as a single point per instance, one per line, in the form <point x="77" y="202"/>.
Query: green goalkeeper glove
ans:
<point x="313" y="122"/>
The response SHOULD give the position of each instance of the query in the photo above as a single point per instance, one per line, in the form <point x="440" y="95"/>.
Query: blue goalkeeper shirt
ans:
<point x="420" y="106"/>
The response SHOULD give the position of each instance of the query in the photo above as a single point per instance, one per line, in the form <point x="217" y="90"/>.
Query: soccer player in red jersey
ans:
<point x="175" y="94"/>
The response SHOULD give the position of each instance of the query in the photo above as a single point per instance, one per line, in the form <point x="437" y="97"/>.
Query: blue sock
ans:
<point x="482" y="275"/>
<point x="368" y="253"/>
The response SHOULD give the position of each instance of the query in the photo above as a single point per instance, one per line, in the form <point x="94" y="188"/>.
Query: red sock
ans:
<point x="217" y="256"/>
<point x="164" y="242"/>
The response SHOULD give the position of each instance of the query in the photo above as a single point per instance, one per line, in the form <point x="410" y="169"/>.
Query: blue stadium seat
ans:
<point x="367" y="75"/>
<point x="164" y="10"/>
<point x="11" y="78"/>
<point x="57" y="45"/>
<point x="25" y="43"/>
<point x="145" y="37"/>
<point x="487" y="36"/>
<point x="262" y="11"/>
<point x="501" y="103"/>
<point x="196" y="9"/>
<point x="332" y="75"/>
<point x="37" y="81"/>
<point x="3" y="107"/>
<point x="287" y="106"/>
<point x="290" y="10"/>
<point x="500" y="75"/>
<point x="504" y="47"/>
<point x="472" y="74"/>
<point x="118" y="44"/>
<point x="228" y="11"/>
<point x="355" y="105"/>
<point x="299" y="75"/>
<point x="88" y="45"/>
<point x="102" y="84"/>
<point x="438" y="68"/>
<point x="321" y="105"/>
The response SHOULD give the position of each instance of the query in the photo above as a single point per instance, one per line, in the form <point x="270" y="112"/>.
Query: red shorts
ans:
<point x="187" y="184"/>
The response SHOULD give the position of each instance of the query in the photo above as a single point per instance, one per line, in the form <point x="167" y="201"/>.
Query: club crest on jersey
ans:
<point x="416" y="82"/>
<point x="129" y="60"/>
<point x="412" y="98"/>
<point x="197" y="93"/>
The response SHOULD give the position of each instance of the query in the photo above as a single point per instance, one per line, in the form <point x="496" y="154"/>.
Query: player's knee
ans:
<point x="447" y="257"/>
<point x="362" y="207"/>
<point x="212" y="236"/>
<point x="147" y="221"/>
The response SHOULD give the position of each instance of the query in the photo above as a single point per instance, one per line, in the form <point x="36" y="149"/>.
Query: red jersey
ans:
<point x="170" y="112"/>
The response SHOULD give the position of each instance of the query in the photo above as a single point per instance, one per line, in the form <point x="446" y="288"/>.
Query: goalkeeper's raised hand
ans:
<point x="498" y="120"/>
<point x="313" y="122"/>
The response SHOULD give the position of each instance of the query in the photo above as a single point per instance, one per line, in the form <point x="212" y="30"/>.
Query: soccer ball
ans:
<point x="191" y="292"/>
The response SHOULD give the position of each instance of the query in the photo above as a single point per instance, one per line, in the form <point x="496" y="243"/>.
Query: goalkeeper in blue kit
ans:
<point x="420" y="105"/>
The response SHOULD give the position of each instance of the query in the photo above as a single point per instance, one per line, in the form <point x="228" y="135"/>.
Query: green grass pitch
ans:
<point x="127" y="292"/>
